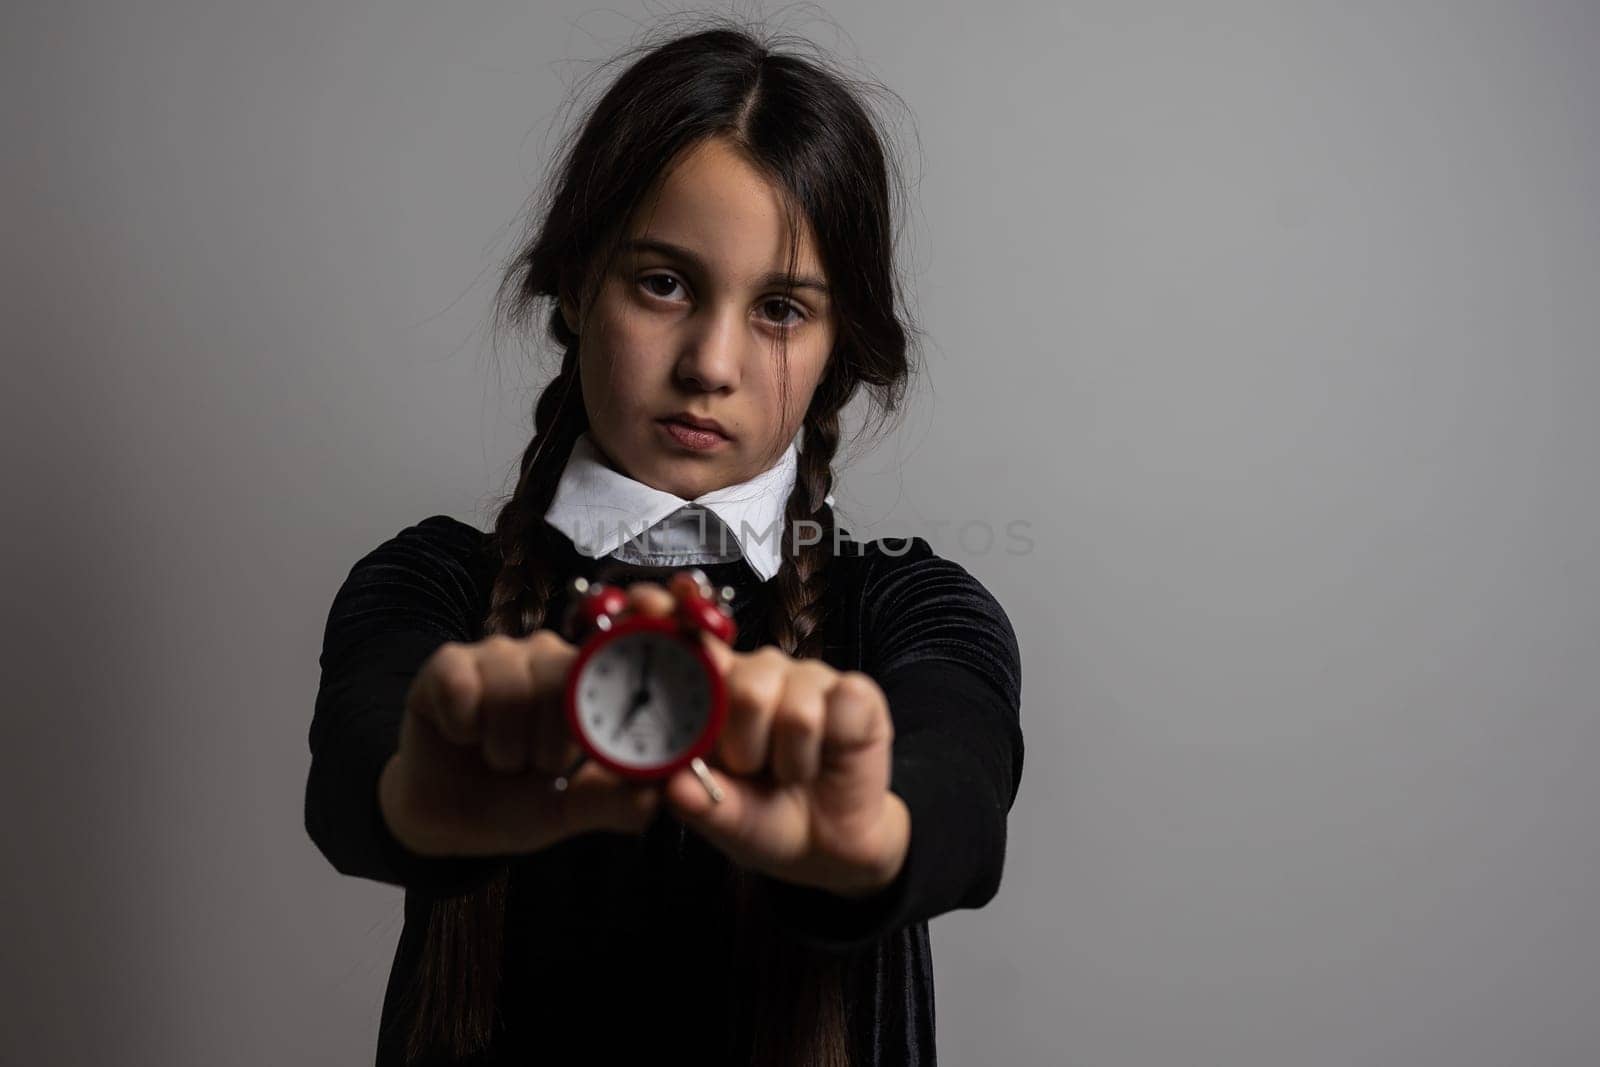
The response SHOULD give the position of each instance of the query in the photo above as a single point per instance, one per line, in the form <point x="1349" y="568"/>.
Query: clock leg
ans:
<point x="702" y="772"/>
<point x="560" y="782"/>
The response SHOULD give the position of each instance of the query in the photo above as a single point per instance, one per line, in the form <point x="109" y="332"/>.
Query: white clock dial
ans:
<point x="643" y="698"/>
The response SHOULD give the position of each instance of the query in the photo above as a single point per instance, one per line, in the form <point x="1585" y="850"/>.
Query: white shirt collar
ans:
<point x="604" y="512"/>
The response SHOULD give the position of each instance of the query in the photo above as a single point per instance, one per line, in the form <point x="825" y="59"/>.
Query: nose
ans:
<point x="713" y="354"/>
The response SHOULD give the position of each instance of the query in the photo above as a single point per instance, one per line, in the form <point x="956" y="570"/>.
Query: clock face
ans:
<point x="642" y="699"/>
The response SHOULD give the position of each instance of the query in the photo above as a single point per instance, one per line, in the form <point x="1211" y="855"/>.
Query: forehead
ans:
<point x="713" y="202"/>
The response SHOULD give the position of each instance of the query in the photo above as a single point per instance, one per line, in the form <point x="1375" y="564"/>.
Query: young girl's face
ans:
<point x="694" y="328"/>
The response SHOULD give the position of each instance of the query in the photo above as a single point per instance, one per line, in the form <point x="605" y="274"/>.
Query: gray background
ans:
<point x="1277" y="324"/>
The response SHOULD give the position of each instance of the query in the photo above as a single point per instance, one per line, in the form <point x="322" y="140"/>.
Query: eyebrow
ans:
<point x="667" y="248"/>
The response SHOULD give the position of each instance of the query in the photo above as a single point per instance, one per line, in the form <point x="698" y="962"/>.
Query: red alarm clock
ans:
<point x="644" y="698"/>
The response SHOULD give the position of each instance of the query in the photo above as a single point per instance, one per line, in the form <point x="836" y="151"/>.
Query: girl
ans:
<point x="716" y="260"/>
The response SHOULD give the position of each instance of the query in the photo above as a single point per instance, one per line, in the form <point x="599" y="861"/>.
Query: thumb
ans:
<point x="754" y="824"/>
<point x="721" y="653"/>
<point x="596" y="799"/>
<point x="719" y="822"/>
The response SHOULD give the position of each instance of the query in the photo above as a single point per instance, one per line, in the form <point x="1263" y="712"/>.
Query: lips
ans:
<point x="697" y="423"/>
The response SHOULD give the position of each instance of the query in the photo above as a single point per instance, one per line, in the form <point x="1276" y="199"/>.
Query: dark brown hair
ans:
<point x="804" y="126"/>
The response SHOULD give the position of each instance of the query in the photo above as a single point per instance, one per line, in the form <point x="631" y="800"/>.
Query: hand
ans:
<point x="482" y="734"/>
<point x="804" y="761"/>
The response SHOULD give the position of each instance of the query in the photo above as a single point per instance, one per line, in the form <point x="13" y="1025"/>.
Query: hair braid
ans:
<point x="799" y="1003"/>
<point x="524" y="585"/>
<point x="796" y="615"/>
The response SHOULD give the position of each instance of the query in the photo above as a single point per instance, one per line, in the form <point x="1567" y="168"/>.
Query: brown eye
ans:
<point x="648" y="282"/>
<point x="782" y="306"/>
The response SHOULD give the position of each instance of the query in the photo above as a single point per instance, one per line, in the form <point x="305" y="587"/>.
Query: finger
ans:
<point x="523" y="813"/>
<point x="797" y="723"/>
<point x="755" y="824"/>
<point x="721" y="653"/>
<point x="650" y="598"/>
<point x="857" y="715"/>
<point x="754" y="685"/>
<point x="507" y="691"/>
<point x="549" y="658"/>
<point x="857" y="745"/>
<point x="446" y="694"/>
<point x="598" y="799"/>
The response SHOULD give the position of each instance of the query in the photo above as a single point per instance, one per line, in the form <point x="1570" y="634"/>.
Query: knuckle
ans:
<point x="820" y="669"/>
<point x="455" y="681"/>
<point x="498" y="645"/>
<point x="545" y="641"/>
<point x="757" y="688"/>
<point x="548" y="657"/>
<point x="451" y="657"/>
<point x="458" y="684"/>
<point x="856" y="686"/>
<point x="770" y="656"/>
<point x="798" y="714"/>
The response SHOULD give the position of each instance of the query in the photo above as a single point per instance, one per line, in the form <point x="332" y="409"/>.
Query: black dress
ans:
<point x="607" y="926"/>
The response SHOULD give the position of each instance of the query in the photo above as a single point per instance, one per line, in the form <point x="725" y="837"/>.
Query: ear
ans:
<point x="569" y="303"/>
<point x="569" y="312"/>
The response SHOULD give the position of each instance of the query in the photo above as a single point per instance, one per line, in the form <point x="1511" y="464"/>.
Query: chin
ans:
<point x="667" y="473"/>
<point x="681" y="474"/>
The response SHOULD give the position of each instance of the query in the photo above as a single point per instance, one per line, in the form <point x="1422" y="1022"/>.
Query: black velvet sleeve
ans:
<point x="945" y="654"/>
<point x="399" y="603"/>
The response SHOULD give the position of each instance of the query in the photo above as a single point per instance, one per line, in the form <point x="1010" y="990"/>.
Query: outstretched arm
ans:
<point x="399" y="603"/>
<point x="946" y="656"/>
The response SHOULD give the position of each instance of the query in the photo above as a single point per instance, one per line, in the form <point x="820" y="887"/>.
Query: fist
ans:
<point x="482" y="736"/>
<point x="803" y="762"/>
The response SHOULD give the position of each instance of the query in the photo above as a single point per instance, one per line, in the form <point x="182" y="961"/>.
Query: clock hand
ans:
<point x="643" y="692"/>
<point x="641" y="695"/>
